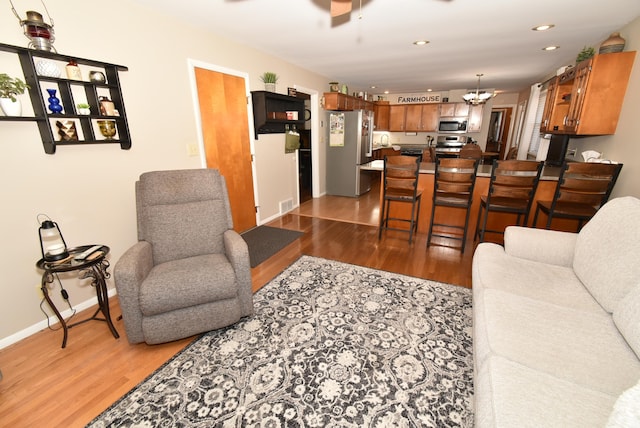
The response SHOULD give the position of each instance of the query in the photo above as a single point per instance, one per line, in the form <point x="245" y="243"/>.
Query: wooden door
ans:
<point x="225" y="131"/>
<point x="413" y="117"/>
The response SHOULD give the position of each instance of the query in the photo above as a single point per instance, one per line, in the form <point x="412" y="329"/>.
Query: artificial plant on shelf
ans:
<point x="586" y="53"/>
<point x="10" y="88"/>
<point x="270" y="79"/>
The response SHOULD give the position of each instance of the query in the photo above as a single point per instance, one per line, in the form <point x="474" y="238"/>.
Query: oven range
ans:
<point x="450" y="145"/>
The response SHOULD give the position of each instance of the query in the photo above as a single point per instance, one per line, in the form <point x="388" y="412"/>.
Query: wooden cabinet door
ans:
<point x="381" y="117"/>
<point x="396" y="117"/>
<point x="577" y="96"/>
<point x="413" y="117"/>
<point x="475" y="118"/>
<point x="429" y="118"/>
<point x="447" y="109"/>
<point x="461" y="109"/>
<point x="552" y="92"/>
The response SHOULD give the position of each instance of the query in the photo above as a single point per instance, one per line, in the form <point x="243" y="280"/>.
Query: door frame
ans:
<point x="192" y="64"/>
<point x="314" y="101"/>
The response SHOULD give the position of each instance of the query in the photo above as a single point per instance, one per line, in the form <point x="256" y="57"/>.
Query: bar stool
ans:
<point x="582" y="189"/>
<point x="401" y="185"/>
<point x="470" y="151"/>
<point x="453" y="185"/>
<point x="511" y="190"/>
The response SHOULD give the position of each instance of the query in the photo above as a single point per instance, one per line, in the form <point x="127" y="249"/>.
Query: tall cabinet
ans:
<point x="45" y="70"/>
<point x="587" y="99"/>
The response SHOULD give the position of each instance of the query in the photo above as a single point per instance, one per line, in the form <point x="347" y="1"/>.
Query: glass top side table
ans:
<point x="93" y="266"/>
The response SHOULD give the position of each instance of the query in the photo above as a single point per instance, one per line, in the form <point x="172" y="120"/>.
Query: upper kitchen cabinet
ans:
<point x="421" y="118"/>
<point x="381" y="116"/>
<point x="454" y="110"/>
<point x="587" y="99"/>
<point x="397" y="114"/>
<point x="475" y="118"/>
<point x="343" y="102"/>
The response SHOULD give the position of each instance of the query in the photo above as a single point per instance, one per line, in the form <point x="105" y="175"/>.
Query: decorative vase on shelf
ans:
<point x="271" y="87"/>
<point x="10" y="107"/>
<point x="54" y="103"/>
<point x="614" y="43"/>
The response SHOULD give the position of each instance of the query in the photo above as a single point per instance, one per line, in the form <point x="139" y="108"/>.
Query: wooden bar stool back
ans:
<point x="454" y="181"/>
<point x="511" y="190"/>
<point x="582" y="189"/>
<point x="400" y="185"/>
<point x="470" y="151"/>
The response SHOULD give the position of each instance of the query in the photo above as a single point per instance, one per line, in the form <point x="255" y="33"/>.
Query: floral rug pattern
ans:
<point x="330" y="345"/>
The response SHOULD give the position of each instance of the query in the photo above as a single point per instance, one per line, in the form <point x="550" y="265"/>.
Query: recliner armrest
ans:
<point x="129" y="273"/>
<point x="541" y="245"/>
<point x="237" y="252"/>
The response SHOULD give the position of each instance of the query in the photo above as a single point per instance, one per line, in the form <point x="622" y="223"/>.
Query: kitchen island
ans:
<point x="497" y="221"/>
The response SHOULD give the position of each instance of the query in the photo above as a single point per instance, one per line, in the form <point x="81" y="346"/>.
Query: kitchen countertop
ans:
<point x="550" y="173"/>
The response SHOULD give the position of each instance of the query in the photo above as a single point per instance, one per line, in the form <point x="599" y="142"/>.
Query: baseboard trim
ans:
<point x="23" y="334"/>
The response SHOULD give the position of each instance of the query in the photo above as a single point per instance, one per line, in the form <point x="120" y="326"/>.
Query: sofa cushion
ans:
<point x="158" y="292"/>
<point x="493" y="268"/>
<point x="607" y="248"/>
<point x="626" y="411"/>
<point x="510" y="395"/>
<point x="627" y="318"/>
<point x="580" y="347"/>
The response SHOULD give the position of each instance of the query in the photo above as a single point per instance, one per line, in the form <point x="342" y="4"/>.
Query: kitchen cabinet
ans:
<point x="421" y="118"/>
<point x="343" y="102"/>
<point x="475" y="118"/>
<point x="381" y="116"/>
<point x="273" y="112"/>
<point x="454" y="110"/>
<point x="397" y="117"/>
<point x="587" y="99"/>
<point x="69" y="127"/>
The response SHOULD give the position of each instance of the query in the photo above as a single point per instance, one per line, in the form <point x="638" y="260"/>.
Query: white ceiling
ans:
<point x="467" y="37"/>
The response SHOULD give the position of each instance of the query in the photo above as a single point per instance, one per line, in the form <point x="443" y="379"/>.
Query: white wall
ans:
<point x="89" y="190"/>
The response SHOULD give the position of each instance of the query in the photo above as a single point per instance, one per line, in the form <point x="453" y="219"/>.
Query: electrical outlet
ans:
<point x="39" y="291"/>
<point x="192" y="149"/>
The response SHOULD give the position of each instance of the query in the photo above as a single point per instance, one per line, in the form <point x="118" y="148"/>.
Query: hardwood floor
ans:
<point x="46" y="386"/>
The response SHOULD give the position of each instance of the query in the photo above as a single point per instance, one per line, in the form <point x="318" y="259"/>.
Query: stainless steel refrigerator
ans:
<point x="349" y="145"/>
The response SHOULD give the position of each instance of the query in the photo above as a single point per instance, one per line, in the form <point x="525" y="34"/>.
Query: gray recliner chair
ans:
<point x="189" y="272"/>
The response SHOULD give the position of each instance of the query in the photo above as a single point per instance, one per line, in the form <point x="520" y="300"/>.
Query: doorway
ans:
<point x="223" y="115"/>
<point x="499" y="126"/>
<point x="305" y="167"/>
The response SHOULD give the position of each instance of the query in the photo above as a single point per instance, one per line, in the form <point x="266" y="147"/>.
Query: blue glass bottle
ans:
<point x="54" y="102"/>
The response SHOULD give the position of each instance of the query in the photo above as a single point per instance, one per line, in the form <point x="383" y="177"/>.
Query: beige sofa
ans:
<point x="557" y="324"/>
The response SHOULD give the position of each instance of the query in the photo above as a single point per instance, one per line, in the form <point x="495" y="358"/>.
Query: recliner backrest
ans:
<point x="182" y="213"/>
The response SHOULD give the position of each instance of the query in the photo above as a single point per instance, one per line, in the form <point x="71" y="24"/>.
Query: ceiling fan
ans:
<point x="341" y="7"/>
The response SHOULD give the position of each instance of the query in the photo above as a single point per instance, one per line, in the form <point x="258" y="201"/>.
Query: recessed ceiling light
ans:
<point x="386" y="92"/>
<point x="550" y="48"/>
<point x="420" y="42"/>
<point x="544" y="27"/>
<point x="429" y="90"/>
<point x="373" y="86"/>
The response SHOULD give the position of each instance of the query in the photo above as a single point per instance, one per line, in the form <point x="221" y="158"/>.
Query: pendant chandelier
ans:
<point x="477" y="97"/>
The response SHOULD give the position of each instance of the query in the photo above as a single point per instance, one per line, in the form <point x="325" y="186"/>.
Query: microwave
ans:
<point x="452" y="125"/>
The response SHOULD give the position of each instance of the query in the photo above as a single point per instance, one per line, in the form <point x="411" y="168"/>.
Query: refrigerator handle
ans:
<point x="370" y="136"/>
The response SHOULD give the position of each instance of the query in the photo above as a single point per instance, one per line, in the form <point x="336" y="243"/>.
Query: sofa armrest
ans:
<point x="129" y="273"/>
<point x="238" y="254"/>
<point x="541" y="245"/>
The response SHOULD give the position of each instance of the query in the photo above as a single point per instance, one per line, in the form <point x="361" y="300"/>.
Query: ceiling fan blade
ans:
<point x="340" y="7"/>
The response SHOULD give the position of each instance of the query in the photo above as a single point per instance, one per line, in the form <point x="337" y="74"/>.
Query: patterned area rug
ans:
<point x="330" y="345"/>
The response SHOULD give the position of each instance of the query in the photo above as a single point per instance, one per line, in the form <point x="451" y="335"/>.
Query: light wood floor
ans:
<point x="46" y="386"/>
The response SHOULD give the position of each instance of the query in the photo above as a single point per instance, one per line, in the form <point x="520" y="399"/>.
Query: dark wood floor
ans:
<point x="46" y="386"/>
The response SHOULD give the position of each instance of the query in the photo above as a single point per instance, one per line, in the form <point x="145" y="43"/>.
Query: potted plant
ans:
<point x="270" y="79"/>
<point x="10" y="87"/>
<point x="83" y="108"/>
<point x="585" y="53"/>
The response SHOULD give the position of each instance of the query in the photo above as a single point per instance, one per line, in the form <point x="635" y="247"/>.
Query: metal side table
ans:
<point x="94" y="266"/>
